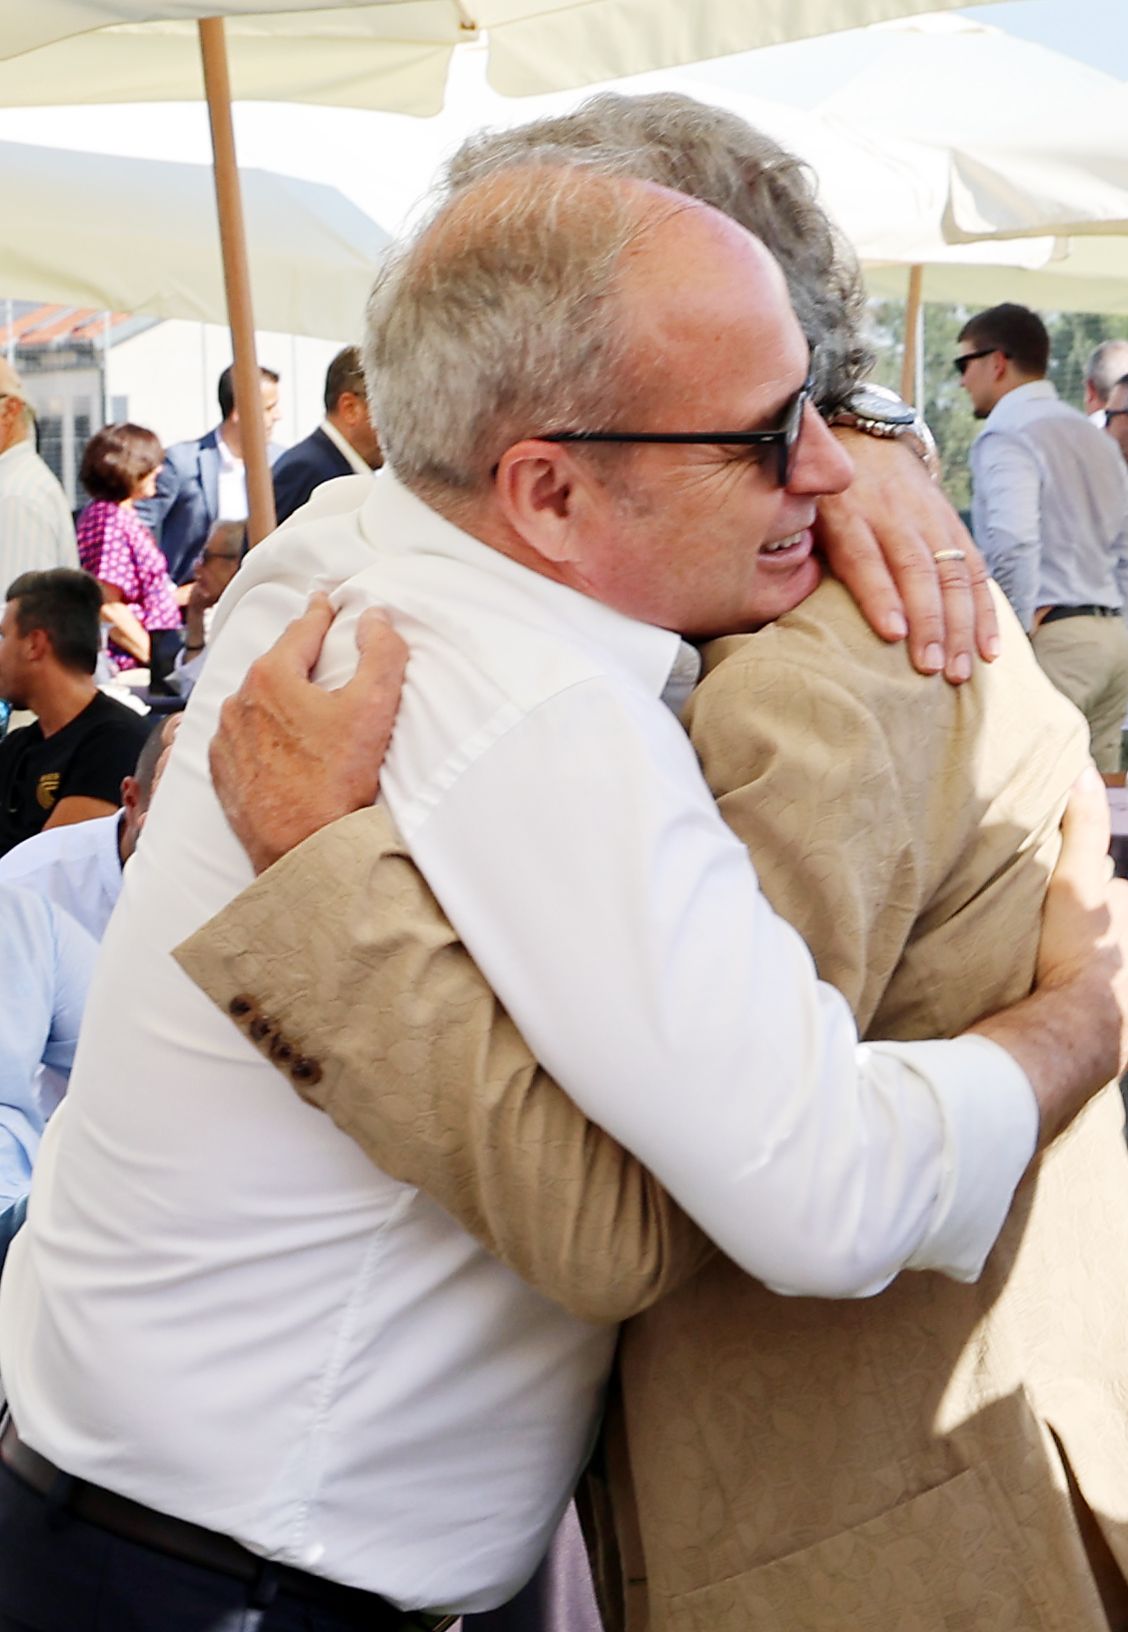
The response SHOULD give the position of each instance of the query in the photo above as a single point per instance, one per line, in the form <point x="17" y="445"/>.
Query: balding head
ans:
<point x="1107" y="363"/>
<point x="504" y="318"/>
<point x="718" y="158"/>
<point x="552" y="298"/>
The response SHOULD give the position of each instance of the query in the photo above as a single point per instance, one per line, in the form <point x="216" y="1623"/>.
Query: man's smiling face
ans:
<point x="704" y="538"/>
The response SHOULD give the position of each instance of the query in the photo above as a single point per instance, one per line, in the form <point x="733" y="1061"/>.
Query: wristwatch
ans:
<point x="877" y="411"/>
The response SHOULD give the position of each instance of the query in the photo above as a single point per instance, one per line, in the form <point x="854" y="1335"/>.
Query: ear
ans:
<point x="38" y="645"/>
<point x="348" y="406"/>
<point x="547" y="496"/>
<point x="131" y="794"/>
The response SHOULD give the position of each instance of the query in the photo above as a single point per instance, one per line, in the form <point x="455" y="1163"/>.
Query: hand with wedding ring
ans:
<point x="907" y="559"/>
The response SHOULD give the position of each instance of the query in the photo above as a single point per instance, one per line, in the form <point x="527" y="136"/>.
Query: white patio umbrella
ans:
<point x="1062" y="275"/>
<point x="393" y="54"/>
<point x="1037" y="141"/>
<point x="1034" y="141"/>
<point x="138" y="235"/>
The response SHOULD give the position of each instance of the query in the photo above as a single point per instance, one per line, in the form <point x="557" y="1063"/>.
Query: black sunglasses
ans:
<point x="783" y="438"/>
<point x="960" y="363"/>
<point x="1115" y="413"/>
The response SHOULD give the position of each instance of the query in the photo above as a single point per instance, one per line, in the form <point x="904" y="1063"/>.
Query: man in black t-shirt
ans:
<point x="66" y="766"/>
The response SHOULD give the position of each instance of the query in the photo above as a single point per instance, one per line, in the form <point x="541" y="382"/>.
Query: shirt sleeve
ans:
<point x="156" y="593"/>
<point x="588" y="872"/>
<point x="1008" y="483"/>
<point x="104" y="550"/>
<point x="48" y="959"/>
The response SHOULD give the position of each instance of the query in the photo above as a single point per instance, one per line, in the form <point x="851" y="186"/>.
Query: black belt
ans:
<point x="207" y="1548"/>
<point x="1057" y="612"/>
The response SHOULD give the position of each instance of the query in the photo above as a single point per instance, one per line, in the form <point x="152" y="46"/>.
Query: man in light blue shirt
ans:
<point x="1050" y="513"/>
<point x="47" y="960"/>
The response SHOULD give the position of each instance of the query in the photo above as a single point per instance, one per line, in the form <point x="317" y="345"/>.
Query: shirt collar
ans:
<point x="344" y="447"/>
<point x="228" y="461"/>
<point x="1009" y="408"/>
<point x="392" y="518"/>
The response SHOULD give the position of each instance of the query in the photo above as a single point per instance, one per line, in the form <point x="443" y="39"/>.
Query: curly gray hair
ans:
<point x="508" y="324"/>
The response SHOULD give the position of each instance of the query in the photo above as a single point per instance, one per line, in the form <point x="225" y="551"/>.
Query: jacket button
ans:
<point x="261" y="1027"/>
<point x="281" y="1051"/>
<point x="240" y="1007"/>
<point x="305" y="1071"/>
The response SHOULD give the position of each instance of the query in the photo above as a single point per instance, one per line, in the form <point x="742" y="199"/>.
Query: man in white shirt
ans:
<point x="306" y="1382"/>
<point x="344" y="443"/>
<point x="79" y="866"/>
<point x="36" y="530"/>
<point x="1050" y="513"/>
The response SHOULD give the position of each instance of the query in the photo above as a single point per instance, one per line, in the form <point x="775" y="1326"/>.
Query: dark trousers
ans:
<point x="60" y="1574"/>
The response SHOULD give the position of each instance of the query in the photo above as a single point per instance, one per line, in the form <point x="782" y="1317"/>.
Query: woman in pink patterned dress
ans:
<point x="119" y="466"/>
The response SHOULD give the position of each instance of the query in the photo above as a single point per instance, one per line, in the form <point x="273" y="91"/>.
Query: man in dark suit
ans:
<point x="343" y="444"/>
<point x="203" y="482"/>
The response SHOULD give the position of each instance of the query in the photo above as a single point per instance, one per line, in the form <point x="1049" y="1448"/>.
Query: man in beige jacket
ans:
<point x="927" y="1459"/>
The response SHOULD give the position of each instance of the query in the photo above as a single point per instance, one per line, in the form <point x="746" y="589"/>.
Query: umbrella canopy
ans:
<point x="393" y="55"/>
<point x="1036" y="141"/>
<point x="1067" y="275"/>
<point x="136" y="235"/>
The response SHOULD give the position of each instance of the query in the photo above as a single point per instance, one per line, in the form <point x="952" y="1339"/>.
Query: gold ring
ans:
<point x="949" y="555"/>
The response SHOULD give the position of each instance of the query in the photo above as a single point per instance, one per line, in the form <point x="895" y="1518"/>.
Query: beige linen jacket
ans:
<point x="912" y="1462"/>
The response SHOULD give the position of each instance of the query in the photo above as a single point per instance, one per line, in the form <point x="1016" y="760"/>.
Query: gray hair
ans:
<point x="501" y="319"/>
<point x="714" y="156"/>
<point x="1107" y="362"/>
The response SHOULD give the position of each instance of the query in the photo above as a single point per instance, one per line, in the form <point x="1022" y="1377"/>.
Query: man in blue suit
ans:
<point x="344" y="443"/>
<point x="203" y="482"/>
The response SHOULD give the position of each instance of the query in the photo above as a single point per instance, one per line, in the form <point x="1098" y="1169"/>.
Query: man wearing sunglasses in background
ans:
<point x="1050" y="513"/>
<point x="1116" y="415"/>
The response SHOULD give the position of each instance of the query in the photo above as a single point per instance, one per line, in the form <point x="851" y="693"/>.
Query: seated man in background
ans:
<point x="217" y="565"/>
<point x="79" y="867"/>
<point x="68" y="764"/>
<point x="345" y="443"/>
<point x="769" y="1458"/>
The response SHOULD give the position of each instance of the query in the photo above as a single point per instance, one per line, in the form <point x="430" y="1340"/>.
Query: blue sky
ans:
<point x="1096" y="31"/>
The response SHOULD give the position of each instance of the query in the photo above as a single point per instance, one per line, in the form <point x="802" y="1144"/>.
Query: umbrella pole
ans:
<point x="910" y="381"/>
<point x="236" y="278"/>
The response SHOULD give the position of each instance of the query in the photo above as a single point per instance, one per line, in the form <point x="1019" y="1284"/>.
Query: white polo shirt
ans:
<point x="221" y="1309"/>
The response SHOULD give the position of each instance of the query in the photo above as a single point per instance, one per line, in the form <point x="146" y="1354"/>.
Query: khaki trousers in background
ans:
<point x="1087" y="659"/>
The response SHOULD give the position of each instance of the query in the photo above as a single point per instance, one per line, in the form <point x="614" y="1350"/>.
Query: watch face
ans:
<point x="875" y="402"/>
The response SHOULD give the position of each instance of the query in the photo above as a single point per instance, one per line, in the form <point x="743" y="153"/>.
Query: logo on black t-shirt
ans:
<point x="46" y="789"/>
